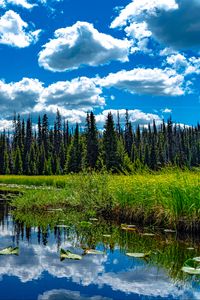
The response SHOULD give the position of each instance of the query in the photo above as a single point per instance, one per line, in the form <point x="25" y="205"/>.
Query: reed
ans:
<point x="169" y="199"/>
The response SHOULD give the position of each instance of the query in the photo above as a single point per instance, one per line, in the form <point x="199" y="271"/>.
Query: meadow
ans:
<point x="169" y="199"/>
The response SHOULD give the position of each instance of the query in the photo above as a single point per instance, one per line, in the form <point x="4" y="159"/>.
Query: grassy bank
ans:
<point x="170" y="199"/>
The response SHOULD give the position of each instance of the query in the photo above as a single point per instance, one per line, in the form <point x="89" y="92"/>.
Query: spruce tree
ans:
<point x="110" y="145"/>
<point x="18" y="162"/>
<point x="92" y="147"/>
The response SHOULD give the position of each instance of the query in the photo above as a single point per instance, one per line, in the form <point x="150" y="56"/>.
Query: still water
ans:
<point x="38" y="274"/>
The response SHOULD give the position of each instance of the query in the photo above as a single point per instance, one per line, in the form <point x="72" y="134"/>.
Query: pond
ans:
<point x="37" y="273"/>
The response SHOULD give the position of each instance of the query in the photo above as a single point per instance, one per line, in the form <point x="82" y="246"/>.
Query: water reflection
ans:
<point x="38" y="273"/>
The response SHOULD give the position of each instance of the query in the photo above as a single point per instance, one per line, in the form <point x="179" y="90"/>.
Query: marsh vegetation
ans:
<point x="170" y="199"/>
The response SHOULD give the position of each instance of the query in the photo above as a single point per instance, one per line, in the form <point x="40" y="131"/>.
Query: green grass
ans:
<point x="168" y="199"/>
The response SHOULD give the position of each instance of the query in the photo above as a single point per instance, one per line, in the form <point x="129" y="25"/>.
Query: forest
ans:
<point x="118" y="148"/>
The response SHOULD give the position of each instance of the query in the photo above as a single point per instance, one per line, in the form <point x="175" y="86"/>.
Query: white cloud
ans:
<point x="172" y="23"/>
<point x="136" y="117"/>
<point x="166" y="111"/>
<point x="184" y="64"/>
<point x="146" y="81"/>
<point x="14" y="31"/>
<point x="140" y="34"/>
<point x="79" y="45"/>
<point x="22" y="3"/>
<point x="26" y="4"/>
<point x="5" y="124"/>
<point x="177" y="61"/>
<point x="138" y="7"/>
<point x="80" y="92"/>
<point x="19" y="96"/>
<point x="167" y="51"/>
<point x="138" y="30"/>
<point x="29" y="95"/>
<point x="68" y="295"/>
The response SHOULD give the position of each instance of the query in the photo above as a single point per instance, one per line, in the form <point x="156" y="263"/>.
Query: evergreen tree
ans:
<point x="18" y="162"/>
<point x="74" y="161"/>
<point x="110" y="145"/>
<point x="92" y="147"/>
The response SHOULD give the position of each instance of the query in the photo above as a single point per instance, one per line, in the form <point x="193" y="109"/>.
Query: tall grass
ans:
<point x="170" y="199"/>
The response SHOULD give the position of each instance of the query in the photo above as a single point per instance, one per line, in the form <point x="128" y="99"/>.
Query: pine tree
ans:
<point x="92" y="148"/>
<point x="74" y="161"/>
<point x="18" y="162"/>
<point x="110" y="145"/>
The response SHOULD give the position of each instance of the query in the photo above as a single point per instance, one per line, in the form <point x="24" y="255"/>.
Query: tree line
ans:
<point x="60" y="149"/>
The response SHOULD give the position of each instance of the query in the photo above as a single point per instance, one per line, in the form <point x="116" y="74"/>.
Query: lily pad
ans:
<point x="192" y="266"/>
<point x="197" y="259"/>
<point x="148" y="234"/>
<point x="69" y="255"/>
<point x="139" y="255"/>
<point x="191" y="271"/>
<point x="54" y="209"/>
<point x="93" y="251"/>
<point x="63" y="226"/>
<point x="10" y="251"/>
<point x="128" y="227"/>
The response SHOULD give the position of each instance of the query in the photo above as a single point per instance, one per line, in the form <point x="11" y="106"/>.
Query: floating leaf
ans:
<point x="139" y="255"/>
<point x="63" y="226"/>
<point x="192" y="266"/>
<point x="197" y="259"/>
<point x="93" y="251"/>
<point x="54" y="209"/>
<point x="192" y="263"/>
<point x="128" y="227"/>
<point x="148" y="234"/>
<point x="9" y="251"/>
<point x="69" y="255"/>
<point x="191" y="271"/>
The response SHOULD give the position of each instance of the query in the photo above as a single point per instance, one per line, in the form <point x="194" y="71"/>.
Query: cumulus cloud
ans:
<point x="73" y="98"/>
<point x="14" y="31"/>
<point x="140" y="34"/>
<point x="79" y="45"/>
<point x="22" y="3"/>
<point x="172" y="23"/>
<point x="136" y="117"/>
<point x="19" y="96"/>
<point x="138" y="7"/>
<point x="5" y="124"/>
<point x="166" y="111"/>
<point x="183" y="64"/>
<point x="80" y="92"/>
<point x="146" y="81"/>
<point x="68" y="295"/>
<point x="26" y="4"/>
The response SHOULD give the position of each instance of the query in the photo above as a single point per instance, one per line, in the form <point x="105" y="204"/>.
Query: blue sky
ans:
<point x="77" y="56"/>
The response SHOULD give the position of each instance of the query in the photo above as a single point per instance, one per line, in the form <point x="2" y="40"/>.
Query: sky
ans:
<point x="77" y="56"/>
